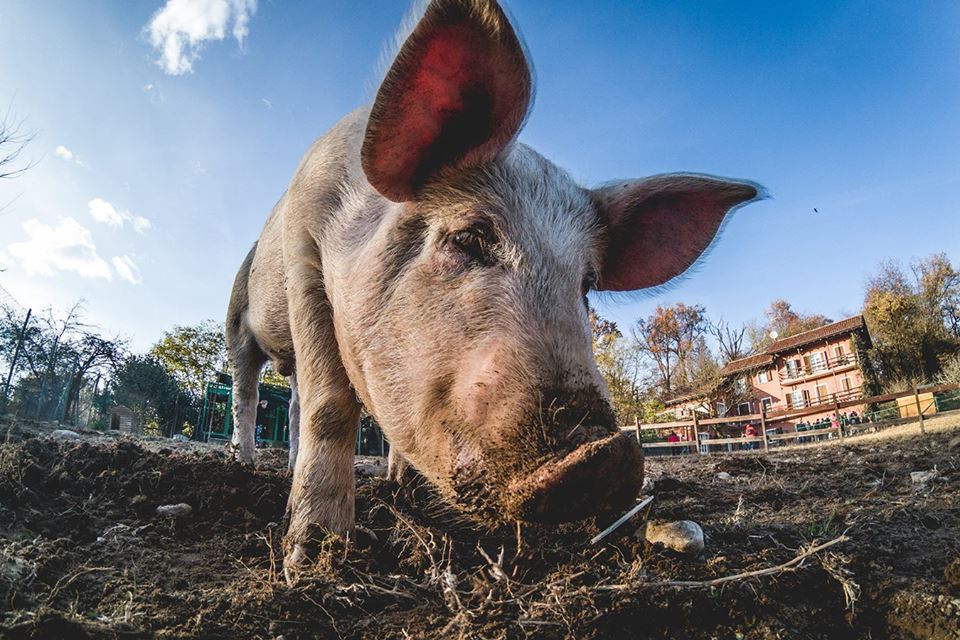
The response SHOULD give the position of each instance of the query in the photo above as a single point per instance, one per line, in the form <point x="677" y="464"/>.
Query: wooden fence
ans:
<point x="768" y="436"/>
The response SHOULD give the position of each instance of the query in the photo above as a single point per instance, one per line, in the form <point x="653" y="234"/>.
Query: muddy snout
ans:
<point x="597" y="475"/>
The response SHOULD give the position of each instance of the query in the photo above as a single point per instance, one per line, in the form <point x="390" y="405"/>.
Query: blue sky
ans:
<point x="150" y="186"/>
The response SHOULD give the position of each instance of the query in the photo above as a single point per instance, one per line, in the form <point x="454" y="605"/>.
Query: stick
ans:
<point x="780" y="568"/>
<point x="629" y="514"/>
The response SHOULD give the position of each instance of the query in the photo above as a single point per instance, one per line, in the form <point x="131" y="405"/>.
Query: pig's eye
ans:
<point x="473" y="243"/>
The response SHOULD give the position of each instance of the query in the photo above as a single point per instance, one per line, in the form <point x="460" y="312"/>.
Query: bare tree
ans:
<point x="729" y="339"/>
<point x="13" y="140"/>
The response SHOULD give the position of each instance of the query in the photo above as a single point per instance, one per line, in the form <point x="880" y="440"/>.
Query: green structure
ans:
<point x="273" y="421"/>
<point x="216" y="417"/>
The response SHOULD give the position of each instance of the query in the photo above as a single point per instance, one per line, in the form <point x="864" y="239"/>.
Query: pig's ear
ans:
<point x="456" y="95"/>
<point x="658" y="227"/>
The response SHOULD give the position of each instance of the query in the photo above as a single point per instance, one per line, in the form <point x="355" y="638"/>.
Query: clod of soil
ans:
<point x="83" y="554"/>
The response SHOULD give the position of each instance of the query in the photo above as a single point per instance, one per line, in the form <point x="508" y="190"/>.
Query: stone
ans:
<point x="723" y="475"/>
<point x="923" y="477"/>
<point x="682" y="536"/>
<point x="954" y="444"/>
<point x="174" y="510"/>
<point x="65" y="434"/>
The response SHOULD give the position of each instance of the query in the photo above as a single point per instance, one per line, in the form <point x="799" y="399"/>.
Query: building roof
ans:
<point x="845" y="326"/>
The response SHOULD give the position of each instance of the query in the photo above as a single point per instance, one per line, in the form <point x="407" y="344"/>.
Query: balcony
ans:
<point x="825" y="401"/>
<point x="793" y="374"/>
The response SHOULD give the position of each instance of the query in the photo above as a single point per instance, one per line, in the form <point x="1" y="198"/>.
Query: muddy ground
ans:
<point x="84" y="555"/>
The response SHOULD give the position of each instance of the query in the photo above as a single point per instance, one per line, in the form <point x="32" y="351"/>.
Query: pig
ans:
<point x="427" y="266"/>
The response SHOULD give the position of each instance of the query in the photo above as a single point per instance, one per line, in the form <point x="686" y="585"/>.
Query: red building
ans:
<point x="808" y="370"/>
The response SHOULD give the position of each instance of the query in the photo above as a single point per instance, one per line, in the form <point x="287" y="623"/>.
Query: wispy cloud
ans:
<point x="127" y="269"/>
<point x="181" y="28"/>
<point x="105" y="213"/>
<point x="68" y="246"/>
<point x="68" y="155"/>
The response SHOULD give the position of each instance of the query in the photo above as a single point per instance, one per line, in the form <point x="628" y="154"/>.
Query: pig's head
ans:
<point x="467" y="332"/>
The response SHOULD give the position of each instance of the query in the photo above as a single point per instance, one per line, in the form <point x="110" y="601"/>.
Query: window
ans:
<point x="741" y="384"/>
<point x="763" y="376"/>
<point x="840" y="353"/>
<point x="766" y="404"/>
<point x="814" y="362"/>
<point x="798" y="399"/>
<point x="721" y="409"/>
<point x="793" y="368"/>
<point x="743" y="409"/>
<point x="823" y="393"/>
<point x="846" y="385"/>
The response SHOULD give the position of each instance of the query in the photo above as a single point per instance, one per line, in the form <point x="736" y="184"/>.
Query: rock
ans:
<point x="65" y="434"/>
<point x="365" y="469"/>
<point x="923" y="477"/>
<point x="683" y="536"/>
<point x="723" y="475"/>
<point x="954" y="444"/>
<point x="174" y="510"/>
<point x="648" y="484"/>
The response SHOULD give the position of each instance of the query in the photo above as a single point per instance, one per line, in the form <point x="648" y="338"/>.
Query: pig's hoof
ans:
<point x="295" y="562"/>
<point x="235" y="453"/>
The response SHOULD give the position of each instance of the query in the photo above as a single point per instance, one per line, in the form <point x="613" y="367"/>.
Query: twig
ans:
<point x="629" y="514"/>
<point x="703" y="584"/>
<point x="69" y="580"/>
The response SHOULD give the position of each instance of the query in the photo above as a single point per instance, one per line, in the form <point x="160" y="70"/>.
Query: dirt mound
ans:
<point x="84" y="555"/>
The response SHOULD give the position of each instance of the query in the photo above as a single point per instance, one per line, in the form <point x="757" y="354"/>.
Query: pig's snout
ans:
<point x="598" y="475"/>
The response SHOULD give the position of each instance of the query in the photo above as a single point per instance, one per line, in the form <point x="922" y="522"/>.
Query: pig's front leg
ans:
<point x="294" y="421"/>
<point x="322" y="496"/>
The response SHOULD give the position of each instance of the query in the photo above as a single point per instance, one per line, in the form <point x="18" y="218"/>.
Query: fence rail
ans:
<point x="704" y="444"/>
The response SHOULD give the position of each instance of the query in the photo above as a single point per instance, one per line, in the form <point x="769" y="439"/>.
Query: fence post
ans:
<point x="696" y="432"/>
<point x="763" y="427"/>
<point x="636" y="423"/>
<point x="916" y="399"/>
<point x="836" y="409"/>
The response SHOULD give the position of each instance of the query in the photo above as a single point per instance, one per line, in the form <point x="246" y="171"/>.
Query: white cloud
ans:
<point x="181" y="28"/>
<point x="267" y="103"/>
<point x="127" y="269"/>
<point x="141" y="224"/>
<point x="104" y="212"/>
<point x="68" y="155"/>
<point x="66" y="247"/>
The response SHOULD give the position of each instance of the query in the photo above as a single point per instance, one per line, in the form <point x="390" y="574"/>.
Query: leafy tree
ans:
<point x="912" y="316"/>
<point x="673" y="340"/>
<point x="270" y="376"/>
<point x="785" y="322"/>
<point x="192" y="355"/>
<point x="144" y="385"/>
<point x="619" y="365"/>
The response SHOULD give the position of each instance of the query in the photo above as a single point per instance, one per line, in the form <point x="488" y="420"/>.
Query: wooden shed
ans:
<point x="123" y="419"/>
